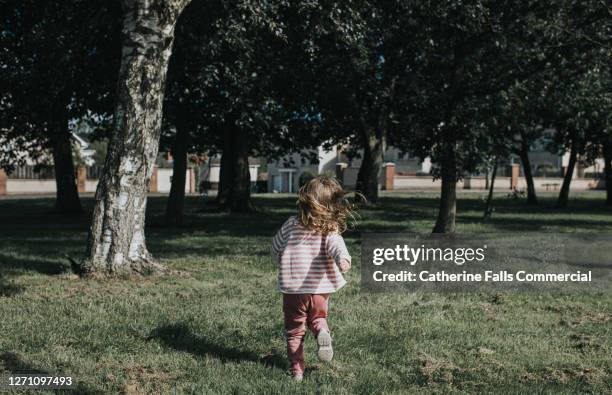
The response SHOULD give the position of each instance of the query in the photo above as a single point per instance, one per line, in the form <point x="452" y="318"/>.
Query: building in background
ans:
<point x="284" y="173"/>
<point x="210" y="169"/>
<point x="38" y="176"/>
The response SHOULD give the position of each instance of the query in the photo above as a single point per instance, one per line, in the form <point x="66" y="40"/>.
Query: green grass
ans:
<point x="215" y="326"/>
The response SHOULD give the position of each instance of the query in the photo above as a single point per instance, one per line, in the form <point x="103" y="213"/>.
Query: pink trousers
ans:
<point x="301" y="310"/>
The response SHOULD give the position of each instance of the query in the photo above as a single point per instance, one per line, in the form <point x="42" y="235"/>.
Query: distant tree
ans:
<point x="467" y="57"/>
<point x="525" y="140"/>
<point x="520" y="113"/>
<point x="184" y="101"/>
<point x="249" y="93"/>
<point x="55" y="58"/>
<point x="574" y="107"/>
<point x="117" y="236"/>
<point x="607" y="154"/>
<point x="470" y="53"/>
<point x="582" y="108"/>
<point x="358" y="69"/>
<point x="233" y="89"/>
<point x="570" y="134"/>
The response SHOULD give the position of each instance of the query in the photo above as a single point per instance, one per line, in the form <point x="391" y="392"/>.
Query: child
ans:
<point x="312" y="255"/>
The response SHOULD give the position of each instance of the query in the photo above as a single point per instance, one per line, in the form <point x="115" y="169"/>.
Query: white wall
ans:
<point x="501" y="183"/>
<point x="327" y="160"/>
<point x="30" y="186"/>
<point x="91" y="185"/>
<point x="597" y="166"/>
<point x="413" y="182"/>
<point x="253" y="171"/>
<point x="213" y="175"/>
<point x="16" y="186"/>
<point x="164" y="180"/>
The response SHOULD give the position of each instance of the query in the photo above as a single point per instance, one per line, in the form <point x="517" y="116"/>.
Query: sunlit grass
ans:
<point x="215" y="325"/>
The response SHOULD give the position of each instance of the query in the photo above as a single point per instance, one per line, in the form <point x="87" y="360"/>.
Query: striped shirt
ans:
<point x="308" y="260"/>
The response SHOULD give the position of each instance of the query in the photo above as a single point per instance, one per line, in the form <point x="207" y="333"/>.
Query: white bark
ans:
<point x="117" y="236"/>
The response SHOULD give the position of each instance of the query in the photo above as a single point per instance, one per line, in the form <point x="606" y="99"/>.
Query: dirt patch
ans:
<point x="588" y="317"/>
<point x="438" y="370"/>
<point x="147" y="380"/>
<point x="584" y="342"/>
<point x="564" y="376"/>
<point x="565" y="308"/>
<point x="491" y="311"/>
<point x="591" y="375"/>
<point x="484" y="351"/>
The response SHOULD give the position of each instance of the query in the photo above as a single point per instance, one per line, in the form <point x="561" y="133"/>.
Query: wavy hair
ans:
<point x="323" y="206"/>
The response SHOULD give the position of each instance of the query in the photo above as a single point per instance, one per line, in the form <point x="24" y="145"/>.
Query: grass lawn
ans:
<point x="215" y="326"/>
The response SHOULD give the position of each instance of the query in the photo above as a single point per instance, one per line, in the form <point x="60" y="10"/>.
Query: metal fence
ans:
<point x="29" y="172"/>
<point x="94" y="172"/>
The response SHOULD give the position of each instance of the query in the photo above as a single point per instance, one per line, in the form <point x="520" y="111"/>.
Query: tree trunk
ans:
<point x="567" y="178"/>
<point x="225" y="169"/>
<point x="531" y="193"/>
<point x="117" y="236"/>
<point x="607" y="152"/>
<point x="176" y="199"/>
<point x="489" y="206"/>
<point x="448" y="196"/>
<point x="234" y="178"/>
<point x="371" y="165"/>
<point x="67" y="195"/>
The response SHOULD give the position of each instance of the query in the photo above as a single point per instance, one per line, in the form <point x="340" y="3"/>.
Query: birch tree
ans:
<point x="117" y="237"/>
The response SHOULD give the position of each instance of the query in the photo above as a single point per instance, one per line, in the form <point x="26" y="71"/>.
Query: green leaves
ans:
<point x="59" y="61"/>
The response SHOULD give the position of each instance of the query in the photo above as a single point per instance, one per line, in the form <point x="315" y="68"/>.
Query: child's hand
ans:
<point x="344" y="266"/>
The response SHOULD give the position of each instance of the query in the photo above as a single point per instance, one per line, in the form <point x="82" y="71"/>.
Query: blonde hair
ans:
<point x="323" y="206"/>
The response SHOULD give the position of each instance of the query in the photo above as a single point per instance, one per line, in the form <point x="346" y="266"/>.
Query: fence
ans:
<point x="29" y="172"/>
<point x="94" y="172"/>
<point x="507" y="179"/>
<point x="41" y="180"/>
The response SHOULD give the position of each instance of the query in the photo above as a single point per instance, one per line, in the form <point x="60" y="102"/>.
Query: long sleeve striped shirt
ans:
<point x="308" y="261"/>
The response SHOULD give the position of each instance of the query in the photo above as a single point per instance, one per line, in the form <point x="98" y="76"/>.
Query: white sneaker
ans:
<point x="324" y="346"/>
<point x="298" y="377"/>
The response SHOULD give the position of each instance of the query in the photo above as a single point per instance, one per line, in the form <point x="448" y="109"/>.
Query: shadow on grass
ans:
<point x="12" y="265"/>
<point x="31" y="229"/>
<point x="8" y="289"/>
<point x="180" y="338"/>
<point x="13" y="363"/>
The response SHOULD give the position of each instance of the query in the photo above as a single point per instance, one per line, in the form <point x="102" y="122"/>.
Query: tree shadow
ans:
<point x="9" y="289"/>
<point x="12" y="265"/>
<point x="30" y="228"/>
<point x="180" y="338"/>
<point x="13" y="363"/>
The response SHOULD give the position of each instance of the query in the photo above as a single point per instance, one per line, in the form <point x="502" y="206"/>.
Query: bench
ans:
<point x="554" y="185"/>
